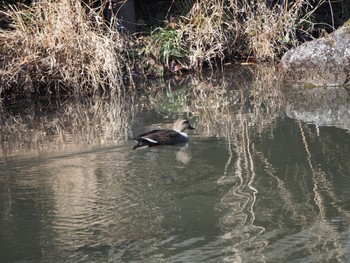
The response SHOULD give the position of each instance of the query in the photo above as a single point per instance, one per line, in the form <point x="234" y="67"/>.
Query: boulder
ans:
<point x="321" y="62"/>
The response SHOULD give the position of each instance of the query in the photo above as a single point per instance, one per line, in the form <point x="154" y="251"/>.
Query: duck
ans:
<point x="165" y="137"/>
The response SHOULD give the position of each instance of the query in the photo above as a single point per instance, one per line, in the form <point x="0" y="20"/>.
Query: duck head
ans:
<point x="182" y="124"/>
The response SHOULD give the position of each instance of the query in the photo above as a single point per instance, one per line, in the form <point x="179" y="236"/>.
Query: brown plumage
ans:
<point x="165" y="137"/>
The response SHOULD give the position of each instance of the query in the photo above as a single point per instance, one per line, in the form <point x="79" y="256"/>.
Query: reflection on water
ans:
<point x="261" y="180"/>
<point x="238" y="224"/>
<point x="41" y="127"/>
<point x="284" y="197"/>
<point x="324" y="107"/>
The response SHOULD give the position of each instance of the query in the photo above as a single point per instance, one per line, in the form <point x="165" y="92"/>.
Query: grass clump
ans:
<point x="215" y="30"/>
<point x="168" y="44"/>
<point x="205" y="32"/>
<point x="59" y="44"/>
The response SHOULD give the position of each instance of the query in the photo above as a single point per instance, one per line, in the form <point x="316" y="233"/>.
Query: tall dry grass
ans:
<point x="272" y="29"/>
<point x="60" y="44"/>
<point x="214" y="30"/>
<point x="64" y="45"/>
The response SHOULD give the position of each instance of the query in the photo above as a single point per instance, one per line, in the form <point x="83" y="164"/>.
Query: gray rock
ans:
<point x="321" y="62"/>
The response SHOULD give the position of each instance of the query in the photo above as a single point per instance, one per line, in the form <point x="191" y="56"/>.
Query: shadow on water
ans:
<point x="264" y="177"/>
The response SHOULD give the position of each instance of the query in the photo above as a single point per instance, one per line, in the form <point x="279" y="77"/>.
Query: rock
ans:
<point x="321" y="62"/>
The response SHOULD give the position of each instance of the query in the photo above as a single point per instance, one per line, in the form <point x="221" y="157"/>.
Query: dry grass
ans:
<point x="59" y="44"/>
<point x="66" y="46"/>
<point x="207" y="32"/>
<point x="270" y="30"/>
<point x="214" y="30"/>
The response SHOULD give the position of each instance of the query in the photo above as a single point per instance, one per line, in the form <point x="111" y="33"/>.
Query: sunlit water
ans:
<point x="255" y="192"/>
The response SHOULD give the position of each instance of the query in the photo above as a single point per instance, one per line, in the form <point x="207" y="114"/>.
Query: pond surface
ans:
<point x="264" y="178"/>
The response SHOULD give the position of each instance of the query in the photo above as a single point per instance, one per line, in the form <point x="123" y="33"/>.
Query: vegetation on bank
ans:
<point x="59" y="46"/>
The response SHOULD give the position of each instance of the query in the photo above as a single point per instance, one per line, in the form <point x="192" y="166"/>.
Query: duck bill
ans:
<point x="190" y="127"/>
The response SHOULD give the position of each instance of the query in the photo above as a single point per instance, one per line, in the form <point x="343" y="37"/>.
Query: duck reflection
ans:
<point x="183" y="155"/>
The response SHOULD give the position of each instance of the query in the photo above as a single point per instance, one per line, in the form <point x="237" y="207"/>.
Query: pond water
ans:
<point x="264" y="178"/>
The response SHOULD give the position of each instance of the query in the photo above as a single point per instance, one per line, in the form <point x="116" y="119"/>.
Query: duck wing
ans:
<point x="162" y="137"/>
<point x="150" y="133"/>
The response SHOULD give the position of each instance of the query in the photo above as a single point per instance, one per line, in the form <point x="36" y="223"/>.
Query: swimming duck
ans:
<point x="165" y="137"/>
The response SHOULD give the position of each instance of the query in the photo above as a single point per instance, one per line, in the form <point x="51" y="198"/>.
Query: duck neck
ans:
<point x="178" y="130"/>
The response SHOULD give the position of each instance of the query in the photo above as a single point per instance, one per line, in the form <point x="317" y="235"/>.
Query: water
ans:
<point x="260" y="184"/>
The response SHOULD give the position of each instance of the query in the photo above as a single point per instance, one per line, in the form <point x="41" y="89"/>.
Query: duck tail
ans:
<point x="138" y="145"/>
